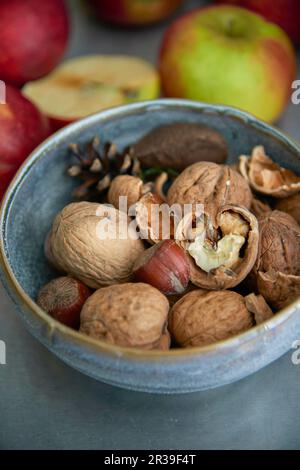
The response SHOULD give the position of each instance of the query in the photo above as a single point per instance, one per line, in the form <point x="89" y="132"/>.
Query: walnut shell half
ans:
<point x="94" y="244"/>
<point x="266" y="177"/>
<point x="132" y="315"/>
<point x="211" y="185"/>
<point x="233" y="223"/>
<point x="278" y="289"/>
<point x="290" y="205"/>
<point x="204" y="317"/>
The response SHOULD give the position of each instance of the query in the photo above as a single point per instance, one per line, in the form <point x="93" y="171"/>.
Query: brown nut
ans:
<point x="130" y="315"/>
<point x="180" y="145"/>
<point x="153" y="219"/>
<point x="259" y="207"/>
<point x="276" y="273"/>
<point x="94" y="243"/>
<point x="203" y="317"/>
<point x="222" y="258"/>
<point x="266" y="177"/>
<point x="211" y="185"/>
<point x="130" y="187"/>
<point x="290" y="205"/>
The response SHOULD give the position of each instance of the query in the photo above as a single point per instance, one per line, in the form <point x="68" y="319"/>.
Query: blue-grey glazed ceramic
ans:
<point x="41" y="188"/>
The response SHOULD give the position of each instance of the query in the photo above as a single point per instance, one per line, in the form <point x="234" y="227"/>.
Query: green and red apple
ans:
<point x="85" y="85"/>
<point x="22" y="128"/>
<point x="285" y="13"/>
<point x="133" y="12"/>
<point x="231" y="56"/>
<point x="33" y="38"/>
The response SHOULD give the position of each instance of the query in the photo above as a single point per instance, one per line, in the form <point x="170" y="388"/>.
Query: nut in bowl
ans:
<point x="223" y="324"/>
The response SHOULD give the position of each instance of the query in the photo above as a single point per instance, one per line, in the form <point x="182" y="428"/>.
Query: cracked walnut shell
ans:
<point x="290" y="205"/>
<point x="130" y="315"/>
<point x="266" y="177"/>
<point x="204" y="317"/>
<point x="87" y="242"/>
<point x="222" y="258"/>
<point x="211" y="185"/>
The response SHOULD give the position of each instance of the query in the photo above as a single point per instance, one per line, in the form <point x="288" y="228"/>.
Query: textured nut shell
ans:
<point x="222" y="278"/>
<point x="259" y="208"/>
<point x="130" y="314"/>
<point x="279" y="244"/>
<point x="125" y="185"/>
<point x="259" y="164"/>
<point x="143" y="219"/>
<point x="278" y="289"/>
<point x="290" y="205"/>
<point x="79" y="251"/>
<point x="257" y="305"/>
<point x="203" y="317"/>
<point x="212" y="185"/>
<point x="180" y="145"/>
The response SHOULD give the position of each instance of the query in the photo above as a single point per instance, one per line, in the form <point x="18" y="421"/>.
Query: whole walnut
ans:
<point x="204" y="317"/>
<point x="222" y="256"/>
<point x="211" y="185"/>
<point x="276" y="272"/>
<point x="94" y="243"/>
<point x="290" y="205"/>
<point x="130" y="315"/>
<point x="179" y="145"/>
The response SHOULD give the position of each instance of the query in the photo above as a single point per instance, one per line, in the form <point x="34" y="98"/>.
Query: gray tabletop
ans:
<point x="44" y="404"/>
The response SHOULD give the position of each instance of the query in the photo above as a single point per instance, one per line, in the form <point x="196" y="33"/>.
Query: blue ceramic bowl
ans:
<point x="41" y="188"/>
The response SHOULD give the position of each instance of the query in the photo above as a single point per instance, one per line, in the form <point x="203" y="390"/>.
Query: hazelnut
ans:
<point x="290" y="205"/>
<point x="204" y="317"/>
<point x="276" y="272"/>
<point x="132" y="315"/>
<point x="221" y="258"/>
<point x="211" y="185"/>
<point x="164" y="266"/>
<point x="94" y="243"/>
<point x="179" y="145"/>
<point x="266" y="177"/>
<point x="63" y="299"/>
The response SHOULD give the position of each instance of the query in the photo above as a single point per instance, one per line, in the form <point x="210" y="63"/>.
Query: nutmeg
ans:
<point x="179" y="145"/>
<point x="94" y="243"/>
<point x="267" y="177"/>
<point x="202" y="317"/>
<point x="131" y="315"/>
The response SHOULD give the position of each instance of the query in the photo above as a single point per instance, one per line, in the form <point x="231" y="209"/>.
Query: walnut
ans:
<point x="204" y="317"/>
<point x="127" y="186"/>
<point x="94" y="243"/>
<point x="211" y="185"/>
<point x="153" y="218"/>
<point x="221" y="258"/>
<point x="290" y="205"/>
<point x="130" y="315"/>
<point x="180" y="145"/>
<point x="259" y="207"/>
<point x="277" y="269"/>
<point x="266" y="177"/>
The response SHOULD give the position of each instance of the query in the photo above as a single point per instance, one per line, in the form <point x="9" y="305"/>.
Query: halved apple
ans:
<point x="84" y="85"/>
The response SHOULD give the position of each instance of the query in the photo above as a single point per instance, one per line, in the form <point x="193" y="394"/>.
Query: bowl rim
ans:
<point x="22" y="298"/>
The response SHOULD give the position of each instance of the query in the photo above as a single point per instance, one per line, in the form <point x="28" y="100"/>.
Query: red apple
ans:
<point x="22" y="128"/>
<point x="286" y="13"/>
<point x="133" y="12"/>
<point x="33" y="38"/>
<point x="229" y="55"/>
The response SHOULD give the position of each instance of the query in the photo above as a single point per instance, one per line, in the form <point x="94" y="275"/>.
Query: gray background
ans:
<point x="44" y="404"/>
